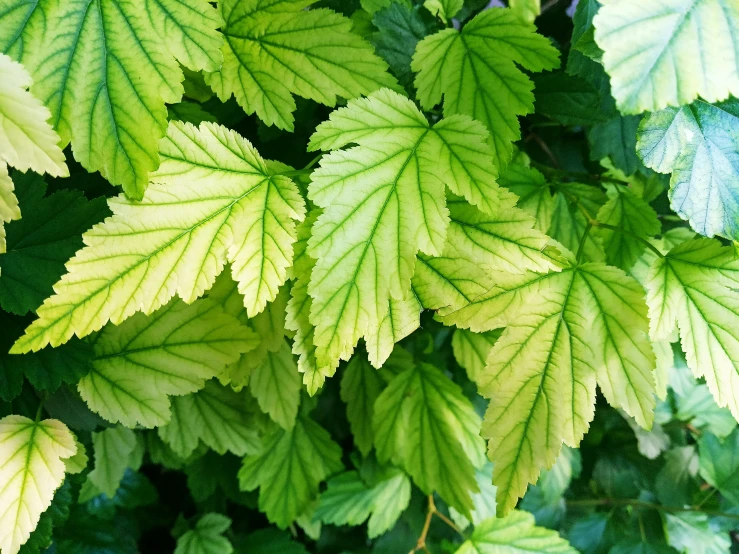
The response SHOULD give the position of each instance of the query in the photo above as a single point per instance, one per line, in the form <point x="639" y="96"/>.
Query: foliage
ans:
<point x="382" y="276"/>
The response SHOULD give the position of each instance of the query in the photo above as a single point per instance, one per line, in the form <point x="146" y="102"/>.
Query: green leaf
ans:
<point x="542" y="371"/>
<point x="616" y="139"/>
<point x="116" y="449"/>
<point x="206" y="537"/>
<point x="270" y="540"/>
<point x="348" y="500"/>
<point x="289" y="467"/>
<point x="669" y="52"/>
<point x="276" y="386"/>
<point x="276" y="49"/>
<point x="31" y="470"/>
<point x="106" y="70"/>
<point x="471" y="350"/>
<point x="516" y="533"/>
<point x="475" y="71"/>
<point x="214" y="201"/>
<point x="692" y="287"/>
<point x="569" y="223"/>
<point x="719" y="464"/>
<point x="361" y="384"/>
<point x="483" y="501"/>
<point x="545" y="500"/>
<point x="172" y="352"/>
<point x="39" y="244"/>
<point x="676" y="484"/>
<point x="535" y="196"/>
<point x="568" y="99"/>
<point x="698" y="144"/>
<point x="215" y="415"/>
<point x="444" y="9"/>
<point x="424" y="423"/>
<point x="634" y="220"/>
<point x="692" y="533"/>
<point x="632" y="546"/>
<point x="383" y="198"/>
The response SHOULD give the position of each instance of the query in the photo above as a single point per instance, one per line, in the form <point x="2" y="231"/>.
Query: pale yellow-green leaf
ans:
<point x="31" y="469"/>
<point x="444" y="9"/>
<point x="471" y="350"/>
<point x="214" y="201"/>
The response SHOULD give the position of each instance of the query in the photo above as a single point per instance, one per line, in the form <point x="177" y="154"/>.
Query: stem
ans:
<point x="40" y="409"/>
<point x="616" y="502"/>
<point x="543" y="145"/>
<point x="581" y="248"/>
<point x="296" y="172"/>
<point x="432" y="511"/>
<point x="314" y="161"/>
<point x="633" y="235"/>
<point x="706" y="498"/>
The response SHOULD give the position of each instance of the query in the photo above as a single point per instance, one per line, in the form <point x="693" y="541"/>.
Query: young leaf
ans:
<point x="348" y="500"/>
<point x="276" y="49"/>
<point x="361" y="384"/>
<point x="31" y="469"/>
<point x="699" y="145"/>
<point x="41" y="242"/>
<point x="444" y="9"/>
<point x="669" y="52"/>
<point x="694" y="286"/>
<point x="384" y="198"/>
<point x="174" y="351"/>
<point x="215" y="415"/>
<point x="515" y="533"/>
<point x="423" y="423"/>
<point x="471" y="350"/>
<point x="289" y="467"/>
<point x="276" y="386"/>
<point x="206" y="537"/>
<point x="116" y="449"/>
<point x="692" y="532"/>
<point x="564" y="331"/>
<point x="475" y="71"/>
<point x="106" y="69"/>
<point x="214" y="200"/>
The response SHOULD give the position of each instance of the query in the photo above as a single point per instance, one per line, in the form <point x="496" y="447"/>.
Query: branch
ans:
<point x="432" y="511"/>
<point x="620" y="502"/>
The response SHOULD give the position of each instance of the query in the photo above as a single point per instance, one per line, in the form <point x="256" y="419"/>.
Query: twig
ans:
<point x="616" y="502"/>
<point x="543" y="145"/>
<point x="432" y="511"/>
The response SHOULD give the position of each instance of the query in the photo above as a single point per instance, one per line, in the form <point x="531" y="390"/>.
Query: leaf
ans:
<point x="31" y="470"/>
<point x="693" y="533"/>
<point x="564" y="331"/>
<point x="616" y="139"/>
<point x="424" y="424"/>
<point x="535" y="196"/>
<point x="361" y="384"/>
<point x="719" y="464"/>
<point x="692" y="287"/>
<point x="172" y="352"/>
<point x="106" y="70"/>
<point x="698" y="144"/>
<point x="276" y="49"/>
<point x="516" y="533"/>
<point x="213" y="201"/>
<point x="276" y="386"/>
<point x="471" y="350"/>
<point x="39" y="244"/>
<point x="483" y="501"/>
<point x="116" y="449"/>
<point x="475" y="71"/>
<point x="527" y="10"/>
<point x="669" y="52"/>
<point x="288" y="469"/>
<point x="269" y="540"/>
<point x="444" y="9"/>
<point x="634" y="220"/>
<point x="206" y="537"/>
<point x="399" y="28"/>
<point x="569" y="223"/>
<point x="676" y="483"/>
<point x="348" y="500"/>
<point x="568" y="99"/>
<point x="545" y="500"/>
<point x="383" y="196"/>
<point x="215" y="415"/>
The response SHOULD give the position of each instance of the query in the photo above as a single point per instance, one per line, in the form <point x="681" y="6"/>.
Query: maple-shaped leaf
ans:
<point x="31" y="470"/>
<point x="275" y="384"/>
<point x="289" y="467"/>
<point x="27" y="141"/>
<point x="276" y="49"/>
<point x="423" y="423"/>
<point x="106" y="69"/>
<point x="693" y="289"/>
<point x="214" y="200"/>
<point x="146" y="359"/>
<point x="669" y="52"/>
<point x="699" y="145"/>
<point x="563" y="332"/>
<point x="517" y="533"/>
<point x="41" y="242"/>
<point x="206" y="537"/>
<point x="475" y="71"/>
<point x="383" y="201"/>
<point x="215" y="415"/>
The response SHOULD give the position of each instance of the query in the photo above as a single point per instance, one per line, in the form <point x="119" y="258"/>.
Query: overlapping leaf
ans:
<point x="174" y="351"/>
<point x="206" y="537"/>
<point x="699" y="145"/>
<point x="214" y="200"/>
<point x="475" y="71"/>
<point x="565" y="330"/>
<point x="105" y="70"/>
<point x="116" y="449"/>
<point x="276" y="49"/>
<point x="669" y="52"/>
<point x="693" y="288"/>
<point x="276" y="386"/>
